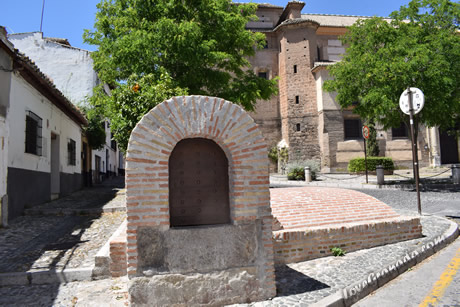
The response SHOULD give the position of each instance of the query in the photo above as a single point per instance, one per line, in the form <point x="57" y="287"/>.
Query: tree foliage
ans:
<point x="419" y="47"/>
<point x="133" y="99"/>
<point x="95" y="131"/>
<point x="202" y="46"/>
<point x="372" y="144"/>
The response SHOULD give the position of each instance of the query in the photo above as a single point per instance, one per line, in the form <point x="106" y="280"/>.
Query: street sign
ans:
<point x="365" y="132"/>
<point x="418" y="100"/>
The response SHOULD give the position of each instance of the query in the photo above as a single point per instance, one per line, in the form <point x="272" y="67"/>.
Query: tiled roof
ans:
<point x="317" y="65"/>
<point x="262" y="5"/>
<point x="268" y="5"/>
<point x="295" y="21"/>
<point x="335" y="20"/>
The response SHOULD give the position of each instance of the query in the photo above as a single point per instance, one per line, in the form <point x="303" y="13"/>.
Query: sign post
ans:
<point x="411" y="102"/>
<point x="365" y="136"/>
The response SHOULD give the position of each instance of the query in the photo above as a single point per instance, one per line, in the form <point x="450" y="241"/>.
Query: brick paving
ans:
<point x="317" y="206"/>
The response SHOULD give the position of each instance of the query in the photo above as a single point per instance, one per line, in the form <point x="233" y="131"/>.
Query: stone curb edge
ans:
<point x="351" y="294"/>
<point x="68" y="212"/>
<point x="372" y="186"/>
<point x="46" y="277"/>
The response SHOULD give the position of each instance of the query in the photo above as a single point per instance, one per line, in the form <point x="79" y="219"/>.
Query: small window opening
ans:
<point x="297" y="100"/>
<point x="353" y="129"/>
<point x="263" y="74"/>
<point x="295" y="69"/>
<point x="297" y="127"/>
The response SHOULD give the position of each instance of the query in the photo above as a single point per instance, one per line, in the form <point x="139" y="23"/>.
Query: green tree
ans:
<point x="419" y="47"/>
<point x="95" y="131"/>
<point x="372" y="144"/>
<point x="200" y="47"/>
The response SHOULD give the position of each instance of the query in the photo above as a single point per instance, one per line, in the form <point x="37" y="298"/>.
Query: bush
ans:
<point x="273" y="154"/>
<point x="296" y="170"/>
<point x="358" y="165"/>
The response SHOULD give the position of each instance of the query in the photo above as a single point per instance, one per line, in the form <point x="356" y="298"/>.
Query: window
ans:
<point x="400" y="132"/>
<point x="71" y="152"/>
<point x="113" y="143"/>
<point x="33" y="134"/>
<point x="263" y="74"/>
<point x="297" y="99"/>
<point x="297" y="127"/>
<point x="352" y="129"/>
<point x="266" y="44"/>
<point x="295" y="69"/>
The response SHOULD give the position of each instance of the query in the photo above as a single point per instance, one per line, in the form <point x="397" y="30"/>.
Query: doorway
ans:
<point x="55" y="178"/>
<point x="449" y="148"/>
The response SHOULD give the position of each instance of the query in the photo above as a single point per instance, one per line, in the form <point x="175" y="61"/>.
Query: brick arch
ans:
<point x="152" y="142"/>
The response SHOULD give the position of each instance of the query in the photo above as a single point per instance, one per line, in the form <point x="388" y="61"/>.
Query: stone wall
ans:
<point x="154" y="249"/>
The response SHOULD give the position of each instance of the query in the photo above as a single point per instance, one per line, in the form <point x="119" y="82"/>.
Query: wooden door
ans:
<point x="198" y="184"/>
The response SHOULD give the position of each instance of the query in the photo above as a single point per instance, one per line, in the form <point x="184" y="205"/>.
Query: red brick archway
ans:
<point x="235" y="132"/>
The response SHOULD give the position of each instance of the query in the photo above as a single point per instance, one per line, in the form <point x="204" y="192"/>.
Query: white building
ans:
<point x="71" y="69"/>
<point x="42" y="131"/>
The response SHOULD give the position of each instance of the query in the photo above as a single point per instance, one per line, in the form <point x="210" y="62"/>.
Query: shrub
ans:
<point x="273" y="154"/>
<point x="358" y="165"/>
<point x="296" y="170"/>
<point x="337" y="251"/>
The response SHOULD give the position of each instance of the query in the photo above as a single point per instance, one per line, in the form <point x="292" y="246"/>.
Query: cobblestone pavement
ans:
<point x="298" y="284"/>
<point x="303" y="283"/>
<point x="49" y="241"/>
<point x="106" y="292"/>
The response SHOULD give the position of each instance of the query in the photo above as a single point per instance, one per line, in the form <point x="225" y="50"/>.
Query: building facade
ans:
<point x="71" y="69"/>
<point x="299" y="49"/>
<point x="42" y="131"/>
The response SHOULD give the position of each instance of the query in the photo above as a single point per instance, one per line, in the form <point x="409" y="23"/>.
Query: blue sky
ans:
<point x="68" y="18"/>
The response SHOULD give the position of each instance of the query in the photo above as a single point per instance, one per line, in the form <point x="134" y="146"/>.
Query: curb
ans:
<point x="45" y="277"/>
<point x="354" y="185"/>
<point x="352" y="294"/>
<point x="69" y="212"/>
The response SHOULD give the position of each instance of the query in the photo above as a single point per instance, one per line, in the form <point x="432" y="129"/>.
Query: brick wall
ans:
<point x="315" y="242"/>
<point x="312" y="220"/>
<point x="118" y="264"/>
<point x="298" y="92"/>
<point x="150" y="146"/>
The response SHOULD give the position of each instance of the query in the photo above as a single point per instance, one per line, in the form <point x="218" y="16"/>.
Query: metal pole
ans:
<point x="43" y="9"/>
<point x="414" y="150"/>
<point x="365" y="159"/>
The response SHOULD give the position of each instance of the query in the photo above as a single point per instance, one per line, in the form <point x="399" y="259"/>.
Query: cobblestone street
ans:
<point x="50" y="241"/>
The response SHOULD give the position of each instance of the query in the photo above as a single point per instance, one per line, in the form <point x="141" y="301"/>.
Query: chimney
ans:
<point x="3" y="32"/>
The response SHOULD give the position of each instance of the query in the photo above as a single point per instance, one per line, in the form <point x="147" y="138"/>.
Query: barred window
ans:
<point x="33" y="134"/>
<point x="400" y="132"/>
<point x="352" y="129"/>
<point x="71" y="152"/>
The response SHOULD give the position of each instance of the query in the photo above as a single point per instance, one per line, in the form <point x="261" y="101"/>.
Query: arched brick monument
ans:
<point x="199" y="225"/>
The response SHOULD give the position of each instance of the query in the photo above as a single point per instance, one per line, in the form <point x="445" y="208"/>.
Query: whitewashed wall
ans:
<point x="3" y="155"/>
<point x="26" y="98"/>
<point x="70" y="68"/>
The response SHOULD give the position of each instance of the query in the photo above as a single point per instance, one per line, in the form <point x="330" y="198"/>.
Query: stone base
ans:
<point x="219" y="288"/>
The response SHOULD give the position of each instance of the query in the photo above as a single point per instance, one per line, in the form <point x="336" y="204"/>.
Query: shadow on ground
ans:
<point x="46" y="233"/>
<point x="291" y="282"/>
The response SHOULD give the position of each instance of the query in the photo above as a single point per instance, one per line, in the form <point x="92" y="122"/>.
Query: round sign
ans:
<point x="418" y="100"/>
<point x="365" y="132"/>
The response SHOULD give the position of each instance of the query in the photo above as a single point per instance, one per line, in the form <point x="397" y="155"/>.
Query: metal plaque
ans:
<point x="198" y="184"/>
